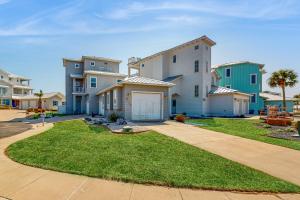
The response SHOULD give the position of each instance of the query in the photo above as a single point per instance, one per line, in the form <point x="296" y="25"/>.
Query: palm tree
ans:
<point x="283" y="78"/>
<point x="39" y="95"/>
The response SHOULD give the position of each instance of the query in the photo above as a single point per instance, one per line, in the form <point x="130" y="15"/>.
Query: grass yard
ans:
<point x="244" y="128"/>
<point x="75" y="147"/>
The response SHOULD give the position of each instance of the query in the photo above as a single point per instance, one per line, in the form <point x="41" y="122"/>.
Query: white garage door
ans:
<point x="146" y="106"/>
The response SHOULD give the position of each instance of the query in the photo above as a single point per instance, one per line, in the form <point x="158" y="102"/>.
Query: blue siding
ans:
<point x="241" y="80"/>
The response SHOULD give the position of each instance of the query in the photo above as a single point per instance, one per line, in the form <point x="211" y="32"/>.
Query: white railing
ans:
<point x="78" y="89"/>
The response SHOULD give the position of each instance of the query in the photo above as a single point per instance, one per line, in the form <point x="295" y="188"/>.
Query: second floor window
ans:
<point x="55" y="103"/>
<point x="228" y="72"/>
<point x="253" y="79"/>
<point x="76" y="65"/>
<point x="93" y="82"/>
<point x="93" y="63"/>
<point x="196" y="91"/>
<point x="174" y="59"/>
<point x="197" y="66"/>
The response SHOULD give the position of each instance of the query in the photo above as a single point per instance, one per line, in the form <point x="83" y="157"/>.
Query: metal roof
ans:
<point x="273" y="97"/>
<point x="239" y="62"/>
<point x="172" y="78"/>
<point x="217" y="90"/>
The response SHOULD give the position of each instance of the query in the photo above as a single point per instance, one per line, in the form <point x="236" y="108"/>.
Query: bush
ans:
<point x="113" y="117"/>
<point x="180" y="118"/>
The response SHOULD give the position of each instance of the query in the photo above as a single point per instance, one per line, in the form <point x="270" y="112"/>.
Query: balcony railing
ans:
<point x="78" y="89"/>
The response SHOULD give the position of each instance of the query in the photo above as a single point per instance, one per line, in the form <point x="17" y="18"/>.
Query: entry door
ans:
<point x="78" y="104"/>
<point x="174" y="106"/>
<point x="146" y="106"/>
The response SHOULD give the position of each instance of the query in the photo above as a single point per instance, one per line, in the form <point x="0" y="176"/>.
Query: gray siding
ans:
<point x="101" y="66"/>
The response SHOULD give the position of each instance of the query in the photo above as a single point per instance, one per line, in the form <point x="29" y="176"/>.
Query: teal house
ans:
<point x="245" y="77"/>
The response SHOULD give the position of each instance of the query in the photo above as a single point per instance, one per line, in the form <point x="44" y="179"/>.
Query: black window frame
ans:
<point x="196" y="91"/>
<point x="196" y="66"/>
<point x="226" y="74"/>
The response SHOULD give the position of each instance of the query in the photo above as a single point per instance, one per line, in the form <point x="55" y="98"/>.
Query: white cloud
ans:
<point x="263" y="9"/>
<point x="4" y="1"/>
<point x="180" y="19"/>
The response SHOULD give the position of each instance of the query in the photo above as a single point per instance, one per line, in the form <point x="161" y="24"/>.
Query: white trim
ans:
<point x="251" y="79"/>
<point x="226" y="72"/>
<point x="91" y="81"/>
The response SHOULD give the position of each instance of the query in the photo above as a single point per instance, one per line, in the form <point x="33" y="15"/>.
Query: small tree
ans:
<point x="283" y="78"/>
<point x="39" y="95"/>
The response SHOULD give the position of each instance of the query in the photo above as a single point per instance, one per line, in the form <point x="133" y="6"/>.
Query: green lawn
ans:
<point x="75" y="147"/>
<point x="244" y="128"/>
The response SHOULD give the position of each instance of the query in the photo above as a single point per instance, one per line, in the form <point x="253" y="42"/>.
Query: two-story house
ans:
<point x="84" y="78"/>
<point x="188" y="66"/>
<point x="12" y="88"/>
<point x="246" y="77"/>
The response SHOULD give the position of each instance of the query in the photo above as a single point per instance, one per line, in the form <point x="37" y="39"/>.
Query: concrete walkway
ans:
<point x="278" y="161"/>
<point x="23" y="182"/>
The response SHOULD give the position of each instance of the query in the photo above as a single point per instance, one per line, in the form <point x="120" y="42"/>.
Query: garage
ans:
<point x="147" y="106"/>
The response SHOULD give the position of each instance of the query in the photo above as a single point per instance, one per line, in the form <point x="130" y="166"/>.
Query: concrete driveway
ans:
<point x="275" y="160"/>
<point x="12" y="115"/>
<point x="27" y="183"/>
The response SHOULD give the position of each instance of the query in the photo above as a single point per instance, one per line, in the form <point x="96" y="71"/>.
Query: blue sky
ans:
<point x="36" y="34"/>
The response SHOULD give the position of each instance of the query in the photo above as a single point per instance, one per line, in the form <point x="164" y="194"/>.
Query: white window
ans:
<point x="228" y="72"/>
<point x="253" y="79"/>
<point x="253" y="98"/>
<point x="93" y="63"/>
<point x="93" y="82"/>
<point x="76" y="65"/>
<point x="228" y="86"/>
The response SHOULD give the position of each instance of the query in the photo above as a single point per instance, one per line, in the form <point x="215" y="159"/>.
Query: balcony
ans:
<point x="78" y="89"/>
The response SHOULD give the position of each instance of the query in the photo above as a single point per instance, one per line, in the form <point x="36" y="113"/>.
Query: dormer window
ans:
<point x="76" y="65"/>
<point x="93" y="63"/>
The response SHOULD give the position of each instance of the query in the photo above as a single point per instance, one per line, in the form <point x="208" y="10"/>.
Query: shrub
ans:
<point x="180" y="118"/>
<point x="113" y="117"/>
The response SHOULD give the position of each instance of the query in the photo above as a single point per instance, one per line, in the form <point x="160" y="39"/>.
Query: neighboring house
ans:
<point x="84" y="78"/>
<point x="12" y="87"/>
<point x="188" y="66"/>
<point x="275" y="99"/>
<point x="245" y="77"/>
<point x="136" y="98"/>
<point x="50" y="101"/>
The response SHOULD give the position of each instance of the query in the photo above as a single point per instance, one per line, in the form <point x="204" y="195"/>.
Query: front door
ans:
<point x="173" y="106"/>
<point x="78" y="104"/>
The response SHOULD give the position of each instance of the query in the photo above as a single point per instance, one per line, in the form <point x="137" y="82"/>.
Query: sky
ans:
<point x="36" y="34"/>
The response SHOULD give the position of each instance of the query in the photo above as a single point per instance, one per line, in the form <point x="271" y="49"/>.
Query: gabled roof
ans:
<point x="270" y="96"/>
<point x="237" y="63"/>
<point x="172" y="78"/>
<point x="217" y="90"/>
<point x="137" y="80"/>
<point x="203" y="38"/>
<point x="45" y="96"/>
<point x="91" y="58"/>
